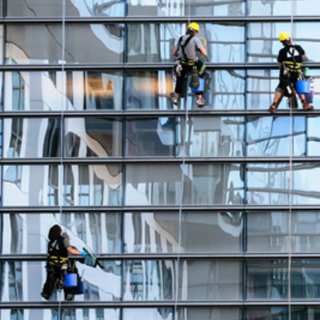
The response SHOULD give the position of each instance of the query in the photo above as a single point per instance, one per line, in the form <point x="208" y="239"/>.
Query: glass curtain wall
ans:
<point x="214" y="218"/>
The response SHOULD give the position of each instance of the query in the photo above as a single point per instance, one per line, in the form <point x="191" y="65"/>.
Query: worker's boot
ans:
<point x="273" y="108"/>
<point x="307" y="106"/>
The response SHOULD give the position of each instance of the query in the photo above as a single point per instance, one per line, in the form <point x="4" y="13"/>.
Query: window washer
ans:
<point x="290" y="60"/>
<point x="187" y="61"/>
<point x="57" y="264"/>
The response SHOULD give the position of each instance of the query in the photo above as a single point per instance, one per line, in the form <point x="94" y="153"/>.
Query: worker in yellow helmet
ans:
<point x="290" y="60"/>
<point x="186" y="54"/>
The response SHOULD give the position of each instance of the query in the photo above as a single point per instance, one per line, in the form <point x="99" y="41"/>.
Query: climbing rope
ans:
<point x="184" y="137"/>
<point x="290" y="189"/>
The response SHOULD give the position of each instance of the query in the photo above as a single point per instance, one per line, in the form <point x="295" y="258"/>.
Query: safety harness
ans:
<point x="292" y="66"/>
<point x="184" y="59"/>
<point x="55" y="258"/>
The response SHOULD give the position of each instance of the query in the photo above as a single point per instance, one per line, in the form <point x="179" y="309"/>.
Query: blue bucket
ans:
<point x="70" y="280"/>
<point x="303" y="86"/>
<point x="80" y="287"/>
<point x="200" y="88"/>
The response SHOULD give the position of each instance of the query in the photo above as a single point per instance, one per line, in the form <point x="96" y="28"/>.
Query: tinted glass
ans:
<point x="313" y="147"/>
<point x="270" y="136"/>
<point x="201" y="232"/>
<point x="33" y="43"/>
<point x="82" y="185"/>
<point x="268" y="232"/>
<point x="148" y="42"/>
<point x="66" y="313"/>
<point x="34" y="8"/>
<point x="151" y="137"/>
<point x="94" y="43"/>
<point x="193" y="8"/>
<point x="94" y="8"/>
<point x="32" y="138"/>
<point x="269" y="279"/>
<point x="281" y="7"/>
<point x="148" y="313"/>
<point x="93" y="137"/>
<point x="35" y="91"/>
<point x="205" y="313"/>
<point x="154" y="184"/>
<point x="28" y="233"/>
<point x="264" y="44"/>
<point x="269" y="183"/>
<point x="24" y="281"/>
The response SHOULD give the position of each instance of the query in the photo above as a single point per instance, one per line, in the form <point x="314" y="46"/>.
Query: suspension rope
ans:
<point x="290" y="188"/>
<point x="183" y="167"/>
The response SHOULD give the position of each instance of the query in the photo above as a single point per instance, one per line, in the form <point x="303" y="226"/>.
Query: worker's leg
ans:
<point x="277" y="99"/>
<point x="306" y="105"/>
<point x="49" y="284"/>
<point x="174" y="96"/>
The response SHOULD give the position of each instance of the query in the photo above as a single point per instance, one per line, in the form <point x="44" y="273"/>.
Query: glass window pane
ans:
<point x="93" y="137"/>
<point x="212" y="137"/>
<point x="313" y="136"/>
<point x="188" y="8"/>
<point x="28" y="233"/>
<point x="210" y="280"/>
<point x="264" y="44"/>
<point x="281" y="7"/>
<point x="94" y="43"/>
<point x="200" y="232"/>
<point x="205" y="313"/>
<point x="95" y="8"/>
<point x="148" y="313"/>
<point x="151" y="137"/>
<point x="269" y="183"/>
<point x="34" y="8"/>
<point x="32" y="137"/>
<point x="33" y="43"/>
<point x="271" y="136"/>
<point x="269" y="279"/>
<point x="268" y="232"/>
<point x="82" y="185"/>
<point x="148" y="42"/>
<point x="35" y="91"/>
<point x="23" y="281"/>
<point x="158" y="184"/>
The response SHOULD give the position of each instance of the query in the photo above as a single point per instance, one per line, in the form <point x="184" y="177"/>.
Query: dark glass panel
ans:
<point x="205" y="313"/>
<point x="155" y="184"/>
<point x="201" y="232"/>
<point x="32" y="137"/>
<point x="272" y="136"/>
<point x="103" y="137"/>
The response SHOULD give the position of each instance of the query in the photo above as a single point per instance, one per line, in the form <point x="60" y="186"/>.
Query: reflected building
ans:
<point x="207" y="214"/>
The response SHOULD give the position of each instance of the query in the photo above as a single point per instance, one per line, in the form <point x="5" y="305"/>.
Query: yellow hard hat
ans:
<point x="194" y="26"/>
<point x="284" y="36"/>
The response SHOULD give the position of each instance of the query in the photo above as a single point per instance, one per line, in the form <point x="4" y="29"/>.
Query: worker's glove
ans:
<point x="83" y="253"/>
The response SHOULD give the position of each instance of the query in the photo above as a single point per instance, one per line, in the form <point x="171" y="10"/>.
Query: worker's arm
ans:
<point x="73" y="250"/>
<point x="304" y="57"/>
<point x="203" y="51"/>
<point x="175" y="52"/>
<point x="280" y="65"/>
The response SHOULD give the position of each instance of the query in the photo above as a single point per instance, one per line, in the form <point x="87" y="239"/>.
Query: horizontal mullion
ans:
<point x="158" y="209"/>
<point x="132" y="114"/>
<point x="159" y="160"/>
<point x="170" y="256"/>
<point x="161" y="19"/>
<point x="143" y="66"/>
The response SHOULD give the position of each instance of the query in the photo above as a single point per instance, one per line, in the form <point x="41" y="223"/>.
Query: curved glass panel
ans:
<point x="23" y="281"/>
<point x="264" y="44"/>
<point x="270" y="136"/>
<point x="82" y="185"/>
<point x="95" y="8"/>
<point x="32" y="137"/>
<point x="28" y="233"/>
<point x="269" y="183"/>
<point x="281" y="7"/>
<point x="210" y="280"/>
<point x="187" y="8"/>
<point x="269" y="279"/>
<point x="268" y="232"/>
<point x="34" y="8"/>
<point x="159" y="184"/>
<point x="200" y="232"/>
<point x="100" y="43"/>
<point x="93" y="137"/>
<point x="66" y="314"/>
<point x="149" y="42"/>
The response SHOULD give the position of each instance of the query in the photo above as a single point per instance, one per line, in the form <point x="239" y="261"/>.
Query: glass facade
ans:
<point x="209" y="213"/>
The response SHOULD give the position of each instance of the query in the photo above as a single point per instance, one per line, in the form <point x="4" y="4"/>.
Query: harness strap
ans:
<point x="183" y="44"/>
